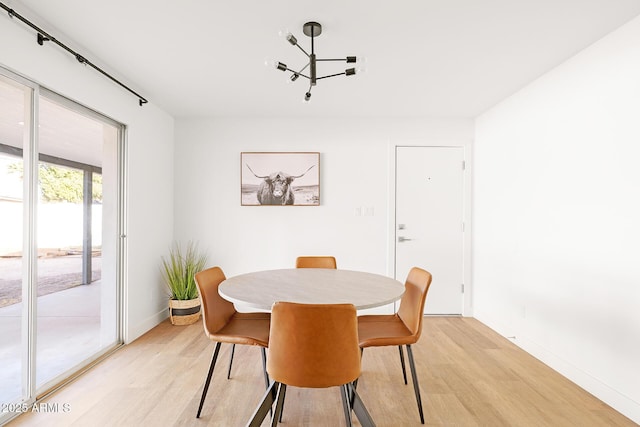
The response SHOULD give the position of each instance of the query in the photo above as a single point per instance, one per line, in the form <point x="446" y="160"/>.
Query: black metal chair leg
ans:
<point x="265" y="406"/>
<point x="233" y="350"/>
<point x="263" y="351"/>
<point x="352" y="390"/>
<point x="355" y="383"/>
<point x="404" y="369"/>
<point x="360" y="410"/>
<point x="284" y="394"/>
<point x="416" y="386"/>
<point x="345" y="393"/>
<point x="209" y="375"/>
<point x="277" y="415"/>
<point x="264" y="366"/>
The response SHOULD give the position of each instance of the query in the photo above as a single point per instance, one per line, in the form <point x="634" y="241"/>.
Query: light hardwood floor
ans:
<point x="469" y="376"/>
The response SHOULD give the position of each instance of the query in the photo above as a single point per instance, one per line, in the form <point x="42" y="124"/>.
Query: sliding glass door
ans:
<point x="60" y="201"/>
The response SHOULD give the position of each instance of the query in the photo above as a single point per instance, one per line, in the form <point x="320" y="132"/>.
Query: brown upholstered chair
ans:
<point x="313" y="346"/>
<point x="223" y="324"/>
<point x="402" y="328"/>
<point x="316" y="262"/>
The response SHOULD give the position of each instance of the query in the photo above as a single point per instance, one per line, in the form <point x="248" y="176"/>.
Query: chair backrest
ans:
<point x="411" y="308"/>
<point x="313" y="345"/>
<point x="316" y="262"/>
<point x="216" y="311"/>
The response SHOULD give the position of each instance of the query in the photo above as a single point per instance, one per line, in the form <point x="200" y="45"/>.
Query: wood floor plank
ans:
<point x="469" y="376"/>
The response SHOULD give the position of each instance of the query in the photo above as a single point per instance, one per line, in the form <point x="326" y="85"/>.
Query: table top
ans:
<point x="261" y="289"/>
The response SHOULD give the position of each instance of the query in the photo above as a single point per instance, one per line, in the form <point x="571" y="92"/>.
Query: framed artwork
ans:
<point x="280" y="178"/>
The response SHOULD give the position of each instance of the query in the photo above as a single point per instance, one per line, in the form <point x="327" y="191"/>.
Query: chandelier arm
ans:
<point x="289" y="69"/>
<point x="332" y="59"/>
<point x="304" y="68"/>
<point x="303" y="51"/>
<point x="331" y="75"/>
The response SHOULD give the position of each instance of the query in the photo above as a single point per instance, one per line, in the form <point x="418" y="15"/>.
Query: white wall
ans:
<point x="354" y="172"/>
<point x="556" y="208"/>
<point x="149" y="151"/>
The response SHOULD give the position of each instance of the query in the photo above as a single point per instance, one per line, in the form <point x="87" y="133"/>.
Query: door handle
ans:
<point x="403" y="239"/>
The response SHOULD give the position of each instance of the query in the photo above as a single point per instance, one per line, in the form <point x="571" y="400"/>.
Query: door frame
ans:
<point x="466" y="145"/>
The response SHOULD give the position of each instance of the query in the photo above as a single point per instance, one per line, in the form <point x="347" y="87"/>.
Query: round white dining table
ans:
<point x="261" y="289"/>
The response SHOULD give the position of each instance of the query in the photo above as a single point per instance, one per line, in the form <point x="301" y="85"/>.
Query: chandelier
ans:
<point x="313" y="30"/>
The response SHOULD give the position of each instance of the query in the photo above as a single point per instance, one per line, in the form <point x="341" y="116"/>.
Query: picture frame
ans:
<point x="280" y="178"/>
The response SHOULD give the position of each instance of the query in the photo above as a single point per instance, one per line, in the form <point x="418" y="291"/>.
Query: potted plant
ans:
<point x="178" y="271"/>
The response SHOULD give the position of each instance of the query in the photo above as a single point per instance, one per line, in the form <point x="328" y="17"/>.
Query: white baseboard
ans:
<point x="618" y="401"/>
<point x="133" y="332"/>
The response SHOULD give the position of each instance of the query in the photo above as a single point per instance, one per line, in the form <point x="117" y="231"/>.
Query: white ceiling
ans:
<point x="437" y="58"/>
<point x="62" y="132"/>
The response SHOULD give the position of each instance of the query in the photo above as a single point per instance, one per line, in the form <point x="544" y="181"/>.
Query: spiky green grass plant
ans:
<point x="179" y="270"/>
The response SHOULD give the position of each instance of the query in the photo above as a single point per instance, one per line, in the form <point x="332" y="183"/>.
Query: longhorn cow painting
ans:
<point x="280" y="178"/>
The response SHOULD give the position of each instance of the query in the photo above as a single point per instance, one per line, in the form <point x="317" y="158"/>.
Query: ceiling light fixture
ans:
<point x="313" y="30"/>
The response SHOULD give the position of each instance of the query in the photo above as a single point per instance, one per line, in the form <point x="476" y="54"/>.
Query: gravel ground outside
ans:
<point x="55" y="273"/>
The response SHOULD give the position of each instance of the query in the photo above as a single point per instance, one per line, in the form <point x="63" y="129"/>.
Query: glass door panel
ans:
<point x="15" y="104"/>
<point x="77" y="302"/>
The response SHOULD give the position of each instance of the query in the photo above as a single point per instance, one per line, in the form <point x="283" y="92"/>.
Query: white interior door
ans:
<point x="429" y="221"/>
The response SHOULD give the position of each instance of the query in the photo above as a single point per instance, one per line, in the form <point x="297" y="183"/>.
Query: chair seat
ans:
<point x="245" y="328"/>
<point x="383" y="330"/>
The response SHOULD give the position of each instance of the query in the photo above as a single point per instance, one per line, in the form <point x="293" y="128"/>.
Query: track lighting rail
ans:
<point x="43" y="36"/>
